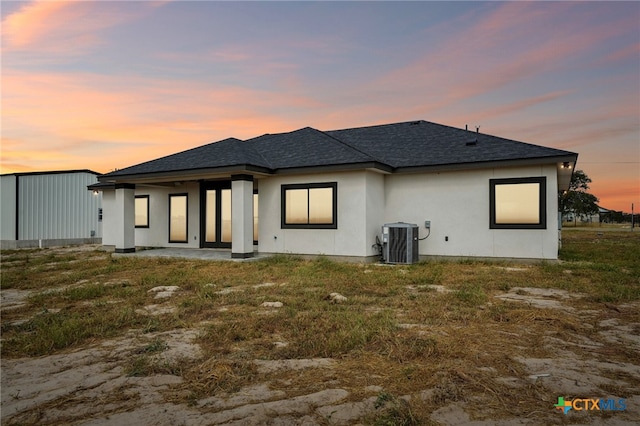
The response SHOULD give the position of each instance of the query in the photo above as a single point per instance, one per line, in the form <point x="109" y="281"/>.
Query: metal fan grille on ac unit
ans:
<point x="401" y="243"/>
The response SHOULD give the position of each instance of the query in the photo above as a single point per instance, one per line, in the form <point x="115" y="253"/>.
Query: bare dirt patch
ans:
<point x="71" y="386"/>
<point x="13" y="298"/>
<point x="539" y="297"/>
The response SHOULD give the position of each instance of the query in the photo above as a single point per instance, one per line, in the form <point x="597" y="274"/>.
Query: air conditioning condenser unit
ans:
<point x="400" y="242"/>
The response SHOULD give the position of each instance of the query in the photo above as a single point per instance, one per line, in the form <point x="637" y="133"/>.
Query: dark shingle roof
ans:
<point x="420" y="143"/>
<point x="391" y="147"/>
<point x="305" y="148"/>
<point x="227" y="152"/>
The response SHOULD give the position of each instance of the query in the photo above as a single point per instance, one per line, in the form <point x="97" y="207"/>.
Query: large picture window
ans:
<point x="518" y="203"/>
<point x="310" y="206"/>
<point x="142" y="211"/>
<point x="178" y="213"/>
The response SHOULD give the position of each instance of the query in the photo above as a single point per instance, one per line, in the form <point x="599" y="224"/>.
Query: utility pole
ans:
<point x="632" y="217"/>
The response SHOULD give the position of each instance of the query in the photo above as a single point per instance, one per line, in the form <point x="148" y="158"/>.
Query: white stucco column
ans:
<point x="242" y="216"/>
<point x="125" y="218"/>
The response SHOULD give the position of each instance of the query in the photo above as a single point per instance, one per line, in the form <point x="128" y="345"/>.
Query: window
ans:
<point x="518" y="203"/>
<point x="178" y="218"/>
<point x="310" y="206"/>
<point x="142" y="211"/>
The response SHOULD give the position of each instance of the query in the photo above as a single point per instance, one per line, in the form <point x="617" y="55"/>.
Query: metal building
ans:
<point x="42" y="209"/>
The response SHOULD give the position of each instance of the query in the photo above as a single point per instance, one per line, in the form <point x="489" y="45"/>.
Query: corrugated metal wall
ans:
<point x="52" y="206"/>
<point x="8" y="207"/>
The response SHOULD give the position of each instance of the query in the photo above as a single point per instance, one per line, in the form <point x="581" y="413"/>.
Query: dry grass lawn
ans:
<point x="89" y="338"/>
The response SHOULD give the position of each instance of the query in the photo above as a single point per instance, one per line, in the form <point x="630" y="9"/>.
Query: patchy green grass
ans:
<point x="393" y="411"/>
<point x="602" y="248"/>
<point x="605" y="265"/>
<point x="48" y="332"/>
<point x="397" y="329"/>
<point x="143" y="366"/>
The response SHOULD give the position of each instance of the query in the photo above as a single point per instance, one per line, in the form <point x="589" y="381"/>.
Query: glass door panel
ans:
<point x="225" y="213"/>
<point x="210" y="216"/>
<point x="215" y="214"/>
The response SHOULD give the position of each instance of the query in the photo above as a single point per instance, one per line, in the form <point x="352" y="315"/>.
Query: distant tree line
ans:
<point x="613" y="216"/>
<point x="576" y="203"/>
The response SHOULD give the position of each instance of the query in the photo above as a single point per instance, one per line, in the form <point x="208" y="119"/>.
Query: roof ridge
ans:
<point x="352" y="148"/>
<point x="244" y="146"/>
<point x="345" y="144"/>
<point x="379" y="125"/>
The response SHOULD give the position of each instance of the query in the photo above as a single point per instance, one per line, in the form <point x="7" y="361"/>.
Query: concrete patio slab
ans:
<point x="190" y="253"/>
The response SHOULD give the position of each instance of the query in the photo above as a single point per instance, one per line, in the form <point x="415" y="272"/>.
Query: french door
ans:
<point x="215" y="214"/>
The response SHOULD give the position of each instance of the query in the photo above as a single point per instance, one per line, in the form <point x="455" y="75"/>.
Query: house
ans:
<point x="329" y="192"/>
<point x="599" y="217"/>
<point x="42" y="209"/>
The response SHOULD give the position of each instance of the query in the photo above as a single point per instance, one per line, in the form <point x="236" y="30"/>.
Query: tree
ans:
<point x="577" y="200"/>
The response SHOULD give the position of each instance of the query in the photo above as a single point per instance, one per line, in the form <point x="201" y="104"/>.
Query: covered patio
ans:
<point x="190" y="253"/>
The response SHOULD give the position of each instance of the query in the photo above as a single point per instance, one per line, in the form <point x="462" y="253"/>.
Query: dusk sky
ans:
<point x="108" y="84"/>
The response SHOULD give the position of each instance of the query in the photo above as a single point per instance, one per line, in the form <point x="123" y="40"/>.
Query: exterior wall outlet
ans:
<point x="427" y="224"/>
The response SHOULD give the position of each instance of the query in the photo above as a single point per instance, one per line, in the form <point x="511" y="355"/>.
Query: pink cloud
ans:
<point x="17" y="158"/>
<point x="65" y="27"/>
<point x="33" y="22"/>
<point x="630" y="51"/>
<point x="517" y="106"/>
<point x="602" y="134"/>
<point x="230" y="55"/>
<point x="487" y="54"/>
<point x="94" y="119"/>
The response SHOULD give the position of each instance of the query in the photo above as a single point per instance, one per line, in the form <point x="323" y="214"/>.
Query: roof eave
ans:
<point x="369" y="165"/>
<point x="52" y="172"/>
<point x="571" y="158"/>
<point x="99" y="186"/>
<point x="182" y="175"/>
